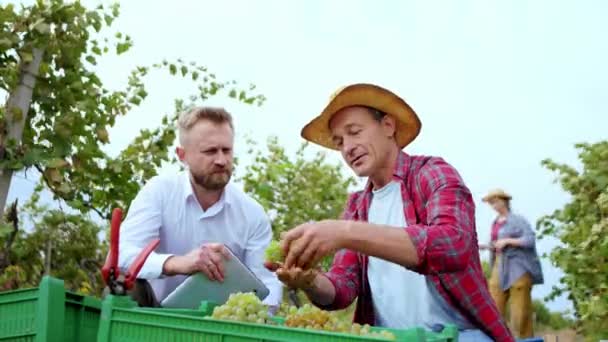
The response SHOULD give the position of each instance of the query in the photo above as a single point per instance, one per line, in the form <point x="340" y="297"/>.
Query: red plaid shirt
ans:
<point x="438" y="201"/>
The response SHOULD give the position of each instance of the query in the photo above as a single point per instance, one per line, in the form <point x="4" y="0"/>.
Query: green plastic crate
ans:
<point x="122" y="320"/>
<point x="81" y="317"/>
<point x="449" y="333"/>
<point x="48" y="313"/>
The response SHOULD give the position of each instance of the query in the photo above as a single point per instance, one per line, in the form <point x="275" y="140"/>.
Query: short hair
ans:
<point x="189" y="118"/>
<point x="377" y="114"/>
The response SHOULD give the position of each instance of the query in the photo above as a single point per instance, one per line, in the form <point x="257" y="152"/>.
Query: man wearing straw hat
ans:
<point x="406" y="244"/>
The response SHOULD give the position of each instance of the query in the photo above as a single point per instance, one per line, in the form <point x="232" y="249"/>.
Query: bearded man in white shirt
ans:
<point x="196" y="213"/>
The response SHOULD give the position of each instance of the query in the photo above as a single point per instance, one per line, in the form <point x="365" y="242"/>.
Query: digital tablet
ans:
<point x="197" y="287"/>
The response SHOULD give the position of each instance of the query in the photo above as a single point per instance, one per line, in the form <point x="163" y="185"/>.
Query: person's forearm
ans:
<point x="322" y="292"/>
<point x="384" y="242"/>
<point x="516" y="242"/>
<point x="484" y="246"/>
<point x="173" y="266"/>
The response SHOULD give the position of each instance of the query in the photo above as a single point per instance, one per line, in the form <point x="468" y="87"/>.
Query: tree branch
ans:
<point x="85" y="203"/>
<point x="11" y="216"/>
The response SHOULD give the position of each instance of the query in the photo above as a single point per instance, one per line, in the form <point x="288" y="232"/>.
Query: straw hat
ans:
<point x="369" y="95"/>
<point x="496" y="193"/>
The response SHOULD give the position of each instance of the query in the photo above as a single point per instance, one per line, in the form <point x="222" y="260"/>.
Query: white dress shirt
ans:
<point x="167" y="208"/>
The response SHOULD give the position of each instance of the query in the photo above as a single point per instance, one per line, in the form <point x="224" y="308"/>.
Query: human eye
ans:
<point x="355" y="131"/>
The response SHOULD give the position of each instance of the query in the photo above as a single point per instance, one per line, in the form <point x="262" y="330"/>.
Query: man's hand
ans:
<point x="318" y="288"/>
<point x="207" y="259"/>
<point x="499" y="245"/>
<point x="306" y="244"/>
<point x="295" y="277"/>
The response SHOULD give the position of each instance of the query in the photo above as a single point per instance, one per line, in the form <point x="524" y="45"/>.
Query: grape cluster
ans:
<point x="247" y="307"/>
<point x="311" y="317"/>
<point x="274" y="252"/>
<point x="244" y="307"/>
<point x="284" y="309"/>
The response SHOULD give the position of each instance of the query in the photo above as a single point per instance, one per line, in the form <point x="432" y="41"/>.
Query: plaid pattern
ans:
<point x="438" y="201"/>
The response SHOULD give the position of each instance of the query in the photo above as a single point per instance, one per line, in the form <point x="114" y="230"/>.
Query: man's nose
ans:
<point x="221" y="159"/>
<point x="348" y="147"/>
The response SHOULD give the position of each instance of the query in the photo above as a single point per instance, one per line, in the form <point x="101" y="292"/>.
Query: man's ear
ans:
<point x="389" y="126"/>
<point x="181" y="153"/>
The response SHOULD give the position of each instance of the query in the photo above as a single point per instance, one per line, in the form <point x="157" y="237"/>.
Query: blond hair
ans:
<point x="189" y="118"/>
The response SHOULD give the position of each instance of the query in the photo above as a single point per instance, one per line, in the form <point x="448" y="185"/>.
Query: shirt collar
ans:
<point x="400" y="168"/>
<point x="399" y="171"/>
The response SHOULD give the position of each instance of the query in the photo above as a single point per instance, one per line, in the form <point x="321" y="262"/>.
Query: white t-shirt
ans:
<point x="402" y="298"/>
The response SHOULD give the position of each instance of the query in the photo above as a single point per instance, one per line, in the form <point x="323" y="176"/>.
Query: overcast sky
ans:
<point x="498" y="86"/>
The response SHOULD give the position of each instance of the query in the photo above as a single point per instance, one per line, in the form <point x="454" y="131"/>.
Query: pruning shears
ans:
<point x="118" y="283"/>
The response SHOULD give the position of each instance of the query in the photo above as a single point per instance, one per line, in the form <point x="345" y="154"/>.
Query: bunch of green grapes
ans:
<point x="364" y="330"/>
<point x="274" y="252"/>
<point x="311" y="317"/>
<point x="285" y="309"/>
<point x="243" y="307"/>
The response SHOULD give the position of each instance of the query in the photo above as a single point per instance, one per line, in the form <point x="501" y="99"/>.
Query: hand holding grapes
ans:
<point x="294" y="277"/>
<point x="305" y="245"/>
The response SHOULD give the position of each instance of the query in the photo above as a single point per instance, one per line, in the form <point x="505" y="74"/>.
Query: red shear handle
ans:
<point x="112" y="259"/>
<point x="136" y="266"/>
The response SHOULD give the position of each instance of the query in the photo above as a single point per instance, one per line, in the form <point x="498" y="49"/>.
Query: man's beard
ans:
<point x="212" y="181"/>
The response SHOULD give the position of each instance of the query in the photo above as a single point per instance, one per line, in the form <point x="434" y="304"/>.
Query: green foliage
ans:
<point x="485" y="266"/>
<point x="582" y="227"/>
<point x="63" y="245"/>
<point x="72" y="111"/>
<point x="67" y="128"/>
<point x="295" y="191"/>
<point x="547" y="318"/>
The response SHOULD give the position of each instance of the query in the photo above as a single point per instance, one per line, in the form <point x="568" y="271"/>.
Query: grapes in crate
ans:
<point x="311" y="317"/>
<point x="243" y="307"/>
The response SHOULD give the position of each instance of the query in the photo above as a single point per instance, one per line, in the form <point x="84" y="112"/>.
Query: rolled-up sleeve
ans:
<point x="527" y="239"/>
<point x="142" y="225"/>
<point x="445" y="240"/>
<point x="344" y="275"/>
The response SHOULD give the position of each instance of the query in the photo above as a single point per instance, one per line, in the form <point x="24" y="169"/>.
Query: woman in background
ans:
<point x="514" y="263"/>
